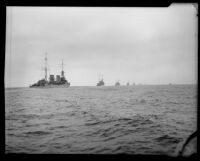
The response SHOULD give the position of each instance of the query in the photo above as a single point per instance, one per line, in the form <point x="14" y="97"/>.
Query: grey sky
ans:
<point x="141" y="45"/>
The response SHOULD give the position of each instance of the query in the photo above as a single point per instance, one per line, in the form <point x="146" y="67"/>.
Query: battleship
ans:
<point x="117" y="83"/>
<point x="60" y="80"/>
<point x="101" y="82"/>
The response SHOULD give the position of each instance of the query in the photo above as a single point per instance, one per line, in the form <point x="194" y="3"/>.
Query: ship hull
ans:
<point x="52" y="86"/>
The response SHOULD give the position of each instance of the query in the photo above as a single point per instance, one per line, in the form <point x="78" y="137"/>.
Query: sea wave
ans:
<point x="108" y="120"/>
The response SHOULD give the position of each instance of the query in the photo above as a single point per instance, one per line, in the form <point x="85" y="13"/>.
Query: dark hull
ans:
<point x="52" y="86"/>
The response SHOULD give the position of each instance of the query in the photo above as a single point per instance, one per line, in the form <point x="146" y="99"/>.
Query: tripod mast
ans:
<point x="62" y="72"/>
<point x="46" y="66"/>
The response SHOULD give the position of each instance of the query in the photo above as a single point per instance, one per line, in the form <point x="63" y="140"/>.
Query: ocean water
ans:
<point x="145" y="119"/>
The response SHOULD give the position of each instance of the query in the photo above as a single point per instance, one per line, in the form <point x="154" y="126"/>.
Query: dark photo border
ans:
<point x="74" y="3"/>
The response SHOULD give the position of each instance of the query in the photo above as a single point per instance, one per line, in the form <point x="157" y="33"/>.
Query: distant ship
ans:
<point x="127" y="84"/>
<point x="101" y="82"/>
<point x="59" y="82"/>
<point x="117" y="83"/>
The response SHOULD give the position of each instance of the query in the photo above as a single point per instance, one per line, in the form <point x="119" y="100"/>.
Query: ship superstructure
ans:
<point x="117" y="83"/>
<point x="101" y="82"/>
<point x="53" y="81"/>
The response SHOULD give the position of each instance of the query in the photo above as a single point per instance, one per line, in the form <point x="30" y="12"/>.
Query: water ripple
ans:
<point x="124" y="120"/>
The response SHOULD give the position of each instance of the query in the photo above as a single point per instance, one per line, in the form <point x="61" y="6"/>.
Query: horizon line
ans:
<point x="139" y="84"/>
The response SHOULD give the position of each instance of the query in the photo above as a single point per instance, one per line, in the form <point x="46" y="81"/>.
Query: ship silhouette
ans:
<point x="117" y="83"/>
<point x="101" y="82"/>
<point x="52" y="82"/>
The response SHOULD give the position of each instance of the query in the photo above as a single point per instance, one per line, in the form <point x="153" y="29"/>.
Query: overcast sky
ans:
<point x="141" y="45"/>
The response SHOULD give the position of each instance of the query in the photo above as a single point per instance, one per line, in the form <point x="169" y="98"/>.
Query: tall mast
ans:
<point x="62" y="72"/>
<point x="62" y="64"/>
<point x="99" y="77"/>
<point x="46" y="66"/>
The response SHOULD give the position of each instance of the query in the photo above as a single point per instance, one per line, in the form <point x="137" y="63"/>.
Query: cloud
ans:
<point x="143" y="44"/>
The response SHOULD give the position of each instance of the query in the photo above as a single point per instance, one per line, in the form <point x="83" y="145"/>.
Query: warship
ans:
<point x="60" y="80"/>
<point x="101" y="82"/>
<point x="117" y="83"/>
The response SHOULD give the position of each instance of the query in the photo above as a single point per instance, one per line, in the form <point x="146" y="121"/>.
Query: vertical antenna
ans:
<point x="62" y="64"/>
<point x="46" y="66"/>
<point x="62" y="72"/>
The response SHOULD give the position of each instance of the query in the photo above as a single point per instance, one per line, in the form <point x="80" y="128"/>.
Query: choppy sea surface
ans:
<point x="145" y="119"/>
